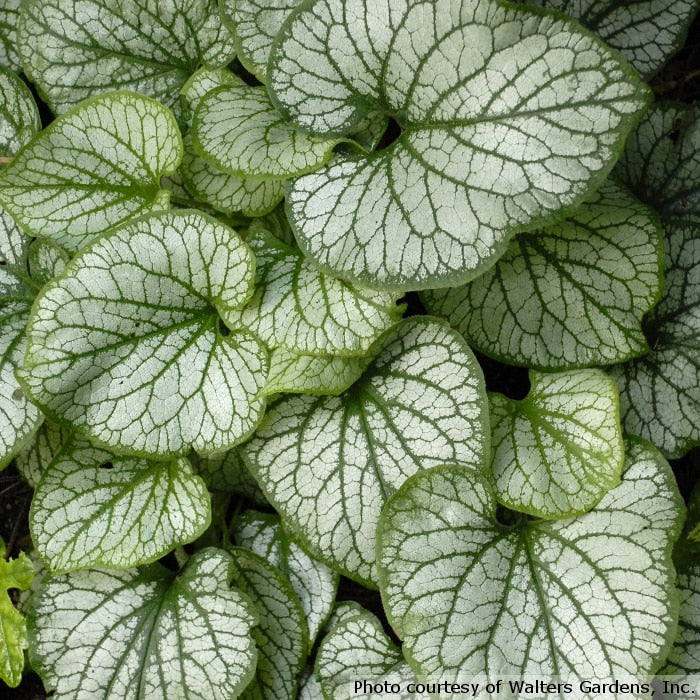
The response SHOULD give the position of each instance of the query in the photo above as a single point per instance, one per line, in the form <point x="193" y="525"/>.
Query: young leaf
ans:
<point x="281" y="636"/>
<point x="254" y="25"/>
<point x="571" y="295"/>
<point x="470" y="596"/>
<point x="9" y="18"/>
<point x="74" y="49"/>
<point x="15" y="573"/>
<point x="96" y="508"/>
<point x="225" y="472"/>
<point x="313" y="582"/>
<point x="646" y="32"/>
<point x="660" y="393"/>
<point x="19" y="116"/>
<point x="498" y="136"/>
<point x="308" y="312"/>
<point x="328" y="464"/>
<point x="126" y="344"/>
<point x="145" y="634"/>
<point x="358" y="650"/>
<point x="92" y="169"/>
<point x="557" y="452"/>
<point x="291" y="373"/>
<point x="237" y="129"/>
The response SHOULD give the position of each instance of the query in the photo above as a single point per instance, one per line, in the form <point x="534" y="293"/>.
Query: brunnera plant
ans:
<point x="245" y="263"/>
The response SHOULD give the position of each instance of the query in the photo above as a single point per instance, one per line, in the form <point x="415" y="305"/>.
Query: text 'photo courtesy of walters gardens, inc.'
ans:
<point x="658" y="688"/>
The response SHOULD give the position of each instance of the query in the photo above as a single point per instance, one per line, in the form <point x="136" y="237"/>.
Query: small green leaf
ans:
<point x="74" y="49"/>
<point x="92" y="169"/>
<point x="571" y="295"/>
<point x="19" y="116"/>
<point x="9" y="19"/>
<point x="228" y="193"/>
<point x="281" y="636"/>
<point x="303" y="310"/>
<point x="15" y="573"/>
<point x="495" y="137"/>
<point x="646" y="32"/>
<point x="557" y="452"/>
<point x="358" y="650"/>
<point x="328" y="464"/>
<point x="660" y="393"/>
<point x="145" y="634"/>
<point x="46" y="261"/>
<point x="96" y="508"/>
<point x="313" y="582"/>
<point x="591" y="596"/>
<point x="254" y="25"/>
<point x="126" y="345"/>
<point x="237" y="129"/>
<point x="291" y="373"/>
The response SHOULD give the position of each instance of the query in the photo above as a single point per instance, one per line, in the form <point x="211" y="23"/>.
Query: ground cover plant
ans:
<point x="345" y="345"/>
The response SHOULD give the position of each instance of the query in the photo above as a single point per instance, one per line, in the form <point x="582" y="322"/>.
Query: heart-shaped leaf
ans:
<point x="646" y="32"/>
<point x="126" y="344"/>
<point x="571" y="295"/>
<point x="254" y="25"/>
<point x="557" y="452"/>
<point x="567" y="598"/>
<point x="14" y="573"/>
<point x="495" y="137"/>
<point x="238" y="130"/>
<point x="281" y="635"/>
<point x="19" y="116"/>
<point x="145" y="634"/>
<point x="92" y="169"/>
<point x="74" y="49"/>
<point x="356" y="657"/>
<point x="313" y="582"/>
<point x="306" y="311"/>
<point x="96" y="508"/>
<point x="328" y="464"/>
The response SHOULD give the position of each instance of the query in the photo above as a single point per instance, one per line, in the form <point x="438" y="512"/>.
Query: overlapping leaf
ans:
<point x="255" y="25"/>
<point x="74" y="49"/>
<point x="571" y="295"/>
<point x="238" y="130"/>
<point x="292" y="373"/>
<point x="9" y="18"/>
<point x="557" y="452"/>
<point x="497" y="136"/>
<point x="313" y="582"/>
<point x="96" y="508"/>
<point x="19" y="418"/>
<point x="659" y="394"/>
<point x="306" y="311"/>
<point x="646" y="32"/>
<point x="328" y="464"/>
<point x="145" y="634"/>
<point x="19" y="116"/>
<point x="126" y="345"/>
<point x="585" y="597"/>
<point x="15" y="573"/>
<point x="39" y="452"/>
<point x="281" y="635"/>
<point x="226" y="472"/>
<point x="357" y="649"/>
<point x="92" y="169"/>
